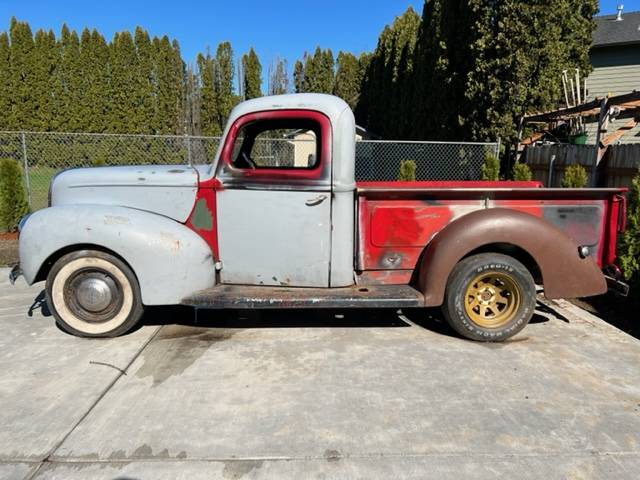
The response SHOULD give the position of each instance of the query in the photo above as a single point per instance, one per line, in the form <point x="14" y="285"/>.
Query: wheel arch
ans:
<point x="513" y="251"/>
<point x="45" y="268"/>
<point x="170" y="261"/>
<point x="549" y="254"/>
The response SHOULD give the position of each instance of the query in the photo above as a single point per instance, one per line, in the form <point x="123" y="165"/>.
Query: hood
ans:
<point x="168" y="190"/>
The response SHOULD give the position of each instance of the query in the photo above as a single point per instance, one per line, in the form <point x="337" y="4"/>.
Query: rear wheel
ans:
<point x="93" y="294"/>
<point x="489" y="297"/>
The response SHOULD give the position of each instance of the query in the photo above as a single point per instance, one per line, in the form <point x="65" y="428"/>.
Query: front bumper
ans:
<point x="14" y="274"/>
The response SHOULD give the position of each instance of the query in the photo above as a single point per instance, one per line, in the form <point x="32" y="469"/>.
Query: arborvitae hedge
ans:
<point x="521" y="172"/>
<point x="629" y="248"/>
<point x="13" y="200"/>
<point x="407" y="171"/>
<point x="490" y="168"/>
<point x="575" y="176"/>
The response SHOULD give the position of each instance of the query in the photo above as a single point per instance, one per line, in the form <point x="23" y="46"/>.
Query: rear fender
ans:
<point x="564" y="273"/>
<point x="170" y="260"/>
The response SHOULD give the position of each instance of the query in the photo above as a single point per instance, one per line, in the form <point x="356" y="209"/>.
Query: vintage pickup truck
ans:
<point x="245" y="232"/>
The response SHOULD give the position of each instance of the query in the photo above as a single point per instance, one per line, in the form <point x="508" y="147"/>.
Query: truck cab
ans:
<point x="284" y="224"/>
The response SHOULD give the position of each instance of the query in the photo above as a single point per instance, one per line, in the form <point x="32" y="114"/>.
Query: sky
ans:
<point x="280" y="28"/>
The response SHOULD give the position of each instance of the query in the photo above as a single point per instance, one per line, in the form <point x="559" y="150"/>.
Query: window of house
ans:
<point x="284" y="144"/>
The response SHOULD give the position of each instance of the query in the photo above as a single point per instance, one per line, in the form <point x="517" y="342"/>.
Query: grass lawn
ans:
<point x="39" y="180"/>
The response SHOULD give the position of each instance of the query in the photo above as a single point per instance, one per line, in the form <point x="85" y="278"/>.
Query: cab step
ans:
<point x="242" y="296"/>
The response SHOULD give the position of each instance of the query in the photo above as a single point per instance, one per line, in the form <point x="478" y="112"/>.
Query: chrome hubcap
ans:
<point x="94" y="294"/>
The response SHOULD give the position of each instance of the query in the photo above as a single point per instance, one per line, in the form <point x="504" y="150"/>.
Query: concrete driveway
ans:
<point x="308" y="395"/>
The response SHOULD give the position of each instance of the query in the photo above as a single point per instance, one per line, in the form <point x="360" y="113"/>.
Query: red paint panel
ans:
<point x="409" y="224"/>
<point x="393" y="233"/>
<point x="207" y="191"/>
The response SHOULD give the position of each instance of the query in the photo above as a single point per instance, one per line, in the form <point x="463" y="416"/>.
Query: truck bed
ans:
<point x="396" y="220"/>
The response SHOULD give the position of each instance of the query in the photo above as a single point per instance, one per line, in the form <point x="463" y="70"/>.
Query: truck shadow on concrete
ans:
<point x="430" y="319"/>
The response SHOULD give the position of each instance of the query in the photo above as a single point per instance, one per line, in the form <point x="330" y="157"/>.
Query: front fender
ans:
<point x="170" y="260"/>
<point x="564" y="273"/>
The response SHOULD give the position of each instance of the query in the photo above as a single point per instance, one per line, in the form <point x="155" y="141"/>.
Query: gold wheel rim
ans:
<point x="492" y="299"/>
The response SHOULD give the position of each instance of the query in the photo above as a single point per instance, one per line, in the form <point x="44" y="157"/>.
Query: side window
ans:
<point x="280" y="144"/>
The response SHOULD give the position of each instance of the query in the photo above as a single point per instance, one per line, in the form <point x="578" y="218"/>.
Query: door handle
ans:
<point x="312" y="202"/>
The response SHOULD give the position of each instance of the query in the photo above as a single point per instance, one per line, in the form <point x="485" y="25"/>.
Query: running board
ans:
<point x="240" y="296"/>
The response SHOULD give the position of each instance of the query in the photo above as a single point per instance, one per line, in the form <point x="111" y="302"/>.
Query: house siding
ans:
<point x="616" y="70"/>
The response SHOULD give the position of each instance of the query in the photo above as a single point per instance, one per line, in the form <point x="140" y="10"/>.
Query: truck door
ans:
<point x="274" y="207"/>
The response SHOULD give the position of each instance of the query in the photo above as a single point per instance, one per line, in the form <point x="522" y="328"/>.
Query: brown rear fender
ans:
<point x="564" y="273"/>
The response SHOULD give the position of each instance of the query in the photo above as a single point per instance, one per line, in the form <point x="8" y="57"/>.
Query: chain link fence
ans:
<point x="43" y="154"/>
<point x="379" y="160"/>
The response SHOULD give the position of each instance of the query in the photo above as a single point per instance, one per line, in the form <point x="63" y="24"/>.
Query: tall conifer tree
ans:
<point x="5" y="79"/>
<point x="252" y="75"/>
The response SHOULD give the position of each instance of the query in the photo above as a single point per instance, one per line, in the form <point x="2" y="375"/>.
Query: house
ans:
<point x="304" y="143"/>
<point x="615" y="57"/>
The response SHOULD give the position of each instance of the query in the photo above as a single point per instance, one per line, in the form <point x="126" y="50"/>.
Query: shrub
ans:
<point x="407" y="171"/>
<point x="521" y="172"/>
<point x="13" y="200"/>
<point x="575" y="176"/>
<point x="490" y="168"/>
<point x="629" y="248"/>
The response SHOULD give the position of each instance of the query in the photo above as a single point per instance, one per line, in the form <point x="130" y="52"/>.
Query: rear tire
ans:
<point x="489" y="297"/>
<point x="93" y="294"/>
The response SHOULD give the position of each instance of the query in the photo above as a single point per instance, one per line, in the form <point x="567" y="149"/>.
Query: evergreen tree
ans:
<point x="145" y="97"/>
<point x="348" y="79"/>
<point x="13" y="200"/>
<point x="207" y="95"/>
<point x="46" y="57"/>
<point x="484" y="64"/>
<point x="191" y="106"/>
<point x="21" y="75"/>
<point x="298" y="76"/>
<point x="5" y="79"/>
<point x="94" y="74"/>
<point x="123" y="98"/>
<point x="68" y="84"/>
<point x="223" y="82"/>
<point x="252" y="75"/>
<point x="318" y="72"/>
<point x="387" y="84"/>
<point x="278" y="77"/>
<point x="168" y="74"/>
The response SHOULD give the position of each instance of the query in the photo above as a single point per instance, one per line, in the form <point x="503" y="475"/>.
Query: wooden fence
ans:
<point x="548" y="162"/>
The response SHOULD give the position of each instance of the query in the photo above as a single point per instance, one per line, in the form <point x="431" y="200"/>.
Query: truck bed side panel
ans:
<point x="395" y="226"/>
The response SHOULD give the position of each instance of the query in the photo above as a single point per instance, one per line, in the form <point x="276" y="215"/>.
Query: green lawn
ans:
<point x="39" y="179"/>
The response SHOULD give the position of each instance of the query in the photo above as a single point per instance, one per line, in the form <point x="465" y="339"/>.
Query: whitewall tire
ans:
<point x="93" y="294"/>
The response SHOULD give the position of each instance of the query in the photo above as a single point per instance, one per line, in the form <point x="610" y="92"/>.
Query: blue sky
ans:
<point x="282" y="28"/>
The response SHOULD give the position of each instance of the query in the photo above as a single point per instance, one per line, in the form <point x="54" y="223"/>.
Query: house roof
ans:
<point x="610" y="32"/>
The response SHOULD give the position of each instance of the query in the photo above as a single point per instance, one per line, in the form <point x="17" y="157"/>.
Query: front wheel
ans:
<point x="93" y="294"/>
<point x="489" y="297"/>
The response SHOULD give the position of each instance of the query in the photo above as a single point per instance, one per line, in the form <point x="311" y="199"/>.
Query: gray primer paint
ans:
<point x="170" y="260"/>
<point x="168" y="190"/>
<point x="341" y="216"/>
<point x="272" y="237"/>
